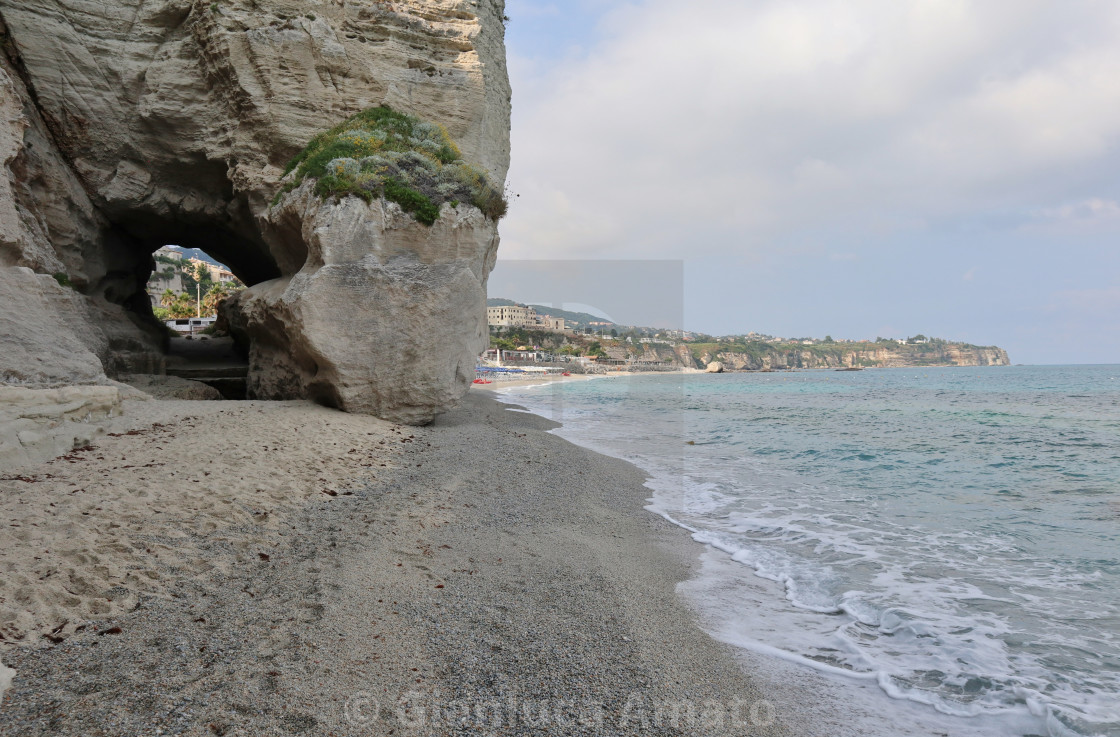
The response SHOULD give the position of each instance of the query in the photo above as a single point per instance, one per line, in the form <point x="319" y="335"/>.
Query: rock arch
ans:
<point x="143" y="122"/>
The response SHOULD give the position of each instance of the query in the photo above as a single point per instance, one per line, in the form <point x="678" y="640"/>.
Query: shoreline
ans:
<point x="550" y="379"/>
<point x="721" y="590"/>
<point x="489" y="565"/>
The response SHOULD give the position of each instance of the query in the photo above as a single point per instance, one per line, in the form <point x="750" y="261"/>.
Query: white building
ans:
<point x="169" y="252"/>
<point x="165" y="276"/>
<point x="518" y="316"/>
<point x="514" y="316"/>
<point x="190" y="325"/>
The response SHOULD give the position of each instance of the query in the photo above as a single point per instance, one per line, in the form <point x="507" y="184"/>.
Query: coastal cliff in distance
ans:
<point x="759" y="356"/>
<point x="134" y="124"/>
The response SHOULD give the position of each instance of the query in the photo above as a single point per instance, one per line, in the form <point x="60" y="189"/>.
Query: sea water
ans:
<point x="949" y="534"/>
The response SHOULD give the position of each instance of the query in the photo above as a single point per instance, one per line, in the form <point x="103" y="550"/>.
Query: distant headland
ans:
<point x="557" y="332"/>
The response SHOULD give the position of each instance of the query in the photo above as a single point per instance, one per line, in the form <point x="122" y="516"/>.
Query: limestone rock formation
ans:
<point x="39" y="424"/>
<point x="774" y="356"/>
<point x="133" y="124"/>
<point x="867" y="355"/>
<point x="422" y="295"/>
<point x="715" y="367"/>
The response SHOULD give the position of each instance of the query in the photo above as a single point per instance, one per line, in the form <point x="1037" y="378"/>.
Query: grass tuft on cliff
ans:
<point x="381" y="152"/>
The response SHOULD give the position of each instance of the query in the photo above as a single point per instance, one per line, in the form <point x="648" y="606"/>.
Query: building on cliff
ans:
<point x="218" y="273"/>
<point x="520" y="316"/>
<point x="167" y="276"/>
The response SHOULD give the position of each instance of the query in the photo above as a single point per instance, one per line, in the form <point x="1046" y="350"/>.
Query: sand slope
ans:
<point x="83" y="535"/>
<point x="493" y="579"/>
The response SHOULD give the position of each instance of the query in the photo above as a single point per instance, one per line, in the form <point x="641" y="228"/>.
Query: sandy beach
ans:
<point x="250" y="568"/>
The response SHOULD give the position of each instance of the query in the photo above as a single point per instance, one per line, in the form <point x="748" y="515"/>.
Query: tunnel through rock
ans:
<point x="133" y="124"/>
<point x="136" y="276"/>
<point x="186" y="292"/>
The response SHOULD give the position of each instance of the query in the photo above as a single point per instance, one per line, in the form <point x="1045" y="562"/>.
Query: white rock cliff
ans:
<point x="128" y="125"/>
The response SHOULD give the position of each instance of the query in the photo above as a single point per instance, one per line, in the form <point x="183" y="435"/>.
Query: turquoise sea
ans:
<point x="950" y="534"/>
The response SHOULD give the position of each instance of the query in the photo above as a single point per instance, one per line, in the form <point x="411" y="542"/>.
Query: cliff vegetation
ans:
<point x="381" y="152"/>
<point x="750" y="355"/>
<point x="755" y="355"/>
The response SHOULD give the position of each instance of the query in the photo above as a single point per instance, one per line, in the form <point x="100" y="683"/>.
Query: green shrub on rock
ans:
<point x="384" y="153"/>
<point x="344" y="167"/>
<point x="411" y="201"/>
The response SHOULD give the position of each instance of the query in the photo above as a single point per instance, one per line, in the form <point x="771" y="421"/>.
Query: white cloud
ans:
<point x="1101" y="303"/>
<point x="1091" y="210"/>
<point x="1070" y="220"/>
<point x="718" y="126"/>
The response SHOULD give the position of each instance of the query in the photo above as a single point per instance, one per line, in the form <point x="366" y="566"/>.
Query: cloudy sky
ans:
<point x="849" y="167"/>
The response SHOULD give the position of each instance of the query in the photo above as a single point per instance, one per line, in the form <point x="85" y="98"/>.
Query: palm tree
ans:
<point x="181" y="306"/>
<point x="217" y="293"/>
<point x="167" y="299"/>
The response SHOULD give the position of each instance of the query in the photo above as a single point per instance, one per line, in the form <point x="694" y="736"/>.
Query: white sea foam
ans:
<point x="923" y="589"/>
<point x="913" y="641"/>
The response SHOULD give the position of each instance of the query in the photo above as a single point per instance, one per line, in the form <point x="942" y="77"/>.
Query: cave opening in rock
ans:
<point x="129" y="265"/>
<point x="186" y="281"/>
<point x="184" y="289"/>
